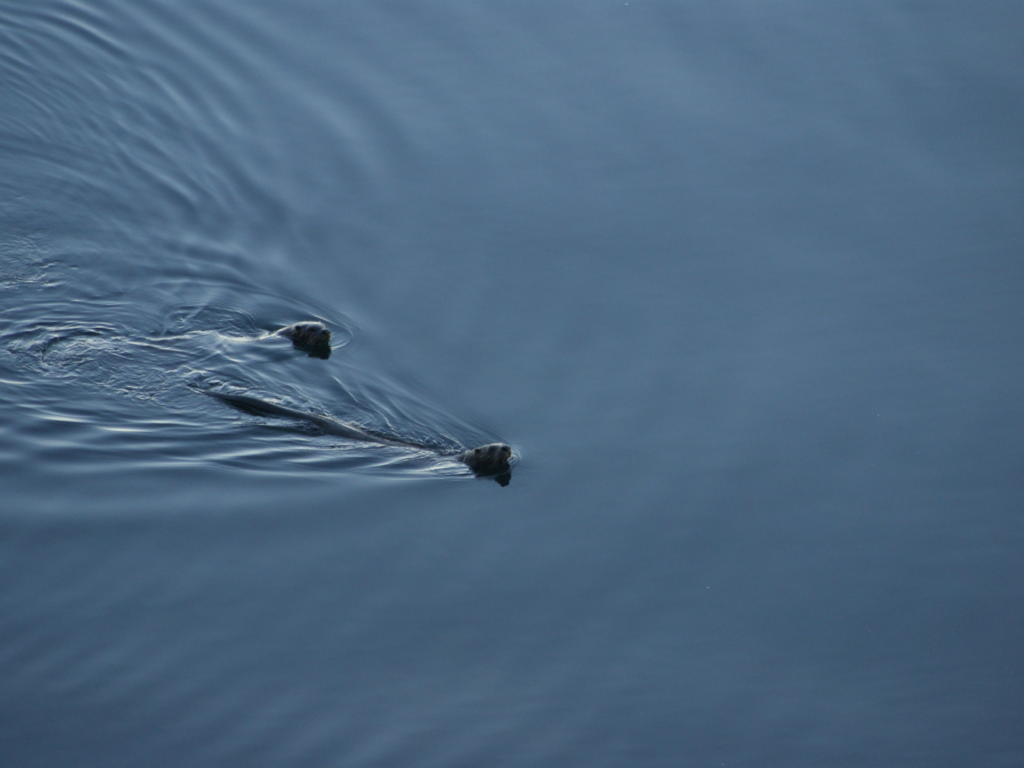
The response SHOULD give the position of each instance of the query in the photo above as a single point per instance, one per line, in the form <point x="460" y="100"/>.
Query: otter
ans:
<point x="311" y="336"/>
<point x="491" y="460"/>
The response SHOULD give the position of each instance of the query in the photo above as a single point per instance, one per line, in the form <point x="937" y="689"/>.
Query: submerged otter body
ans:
<point x="491" y="460"/>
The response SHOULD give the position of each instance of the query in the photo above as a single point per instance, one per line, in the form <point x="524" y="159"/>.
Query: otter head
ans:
<point x="312" y="336"/>
<point x="488" y="459"/>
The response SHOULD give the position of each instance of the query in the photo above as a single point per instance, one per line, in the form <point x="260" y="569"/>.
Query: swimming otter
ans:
<point x="491" y="460"/>
<point x="311" y="336"/>
<point x="488" y="459"/>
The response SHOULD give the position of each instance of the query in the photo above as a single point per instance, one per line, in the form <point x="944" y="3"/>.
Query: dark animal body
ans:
<point x="311" y="336"/>
<point x="492" y="460"/>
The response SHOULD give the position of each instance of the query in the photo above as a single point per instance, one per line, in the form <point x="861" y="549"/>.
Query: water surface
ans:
<point x="741" y="284"/>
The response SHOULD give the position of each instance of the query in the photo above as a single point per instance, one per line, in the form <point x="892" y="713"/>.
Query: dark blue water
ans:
<point x="741" y="283"/>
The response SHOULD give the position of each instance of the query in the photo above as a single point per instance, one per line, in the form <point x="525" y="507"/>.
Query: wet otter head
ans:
<point x="492" y="459"/>
<point x="312" y="336"/>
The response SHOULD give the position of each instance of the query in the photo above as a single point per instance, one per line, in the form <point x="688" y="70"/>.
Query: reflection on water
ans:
<point x="742" y="289"/>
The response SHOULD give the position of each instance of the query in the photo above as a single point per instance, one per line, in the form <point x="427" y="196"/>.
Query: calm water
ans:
<point x="741" y="283"/>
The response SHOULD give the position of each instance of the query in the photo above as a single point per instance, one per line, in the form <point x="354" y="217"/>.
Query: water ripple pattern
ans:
<point x="145" y="251"/>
